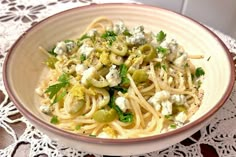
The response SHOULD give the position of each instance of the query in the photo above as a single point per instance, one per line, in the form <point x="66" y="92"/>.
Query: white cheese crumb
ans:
<point x="87" y="74"/>
<point x="180" y="118"/>
<point x="181" y="60"/>
<point x="92" y="32"/>
<point x="103" y="135"/>
<point x="158" y="98"/>
<point x="121" y="102"/>
<point x="113" y="77"/>
<point x="119" y="28"/>
<point x="39" y="91"/>
<point x="86" y="50"/>
<point x="138" y="36"/>
<point x="45" y="109"/>
<point x="60" y="48"/>
<point x="178" y="98"/>
<point x="80" y="68"/>
<point x="166" y="107"/>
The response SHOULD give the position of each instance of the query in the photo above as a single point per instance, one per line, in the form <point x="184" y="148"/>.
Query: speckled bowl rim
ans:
<point x="60" y="132"/>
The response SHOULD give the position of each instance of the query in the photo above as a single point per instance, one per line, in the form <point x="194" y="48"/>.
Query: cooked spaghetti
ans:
<point x="116" y="82"/>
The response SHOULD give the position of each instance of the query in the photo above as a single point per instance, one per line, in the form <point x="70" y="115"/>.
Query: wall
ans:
<point x="219" y="14"/>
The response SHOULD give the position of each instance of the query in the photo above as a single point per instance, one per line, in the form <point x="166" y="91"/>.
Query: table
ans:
<point x="19" y="138"/>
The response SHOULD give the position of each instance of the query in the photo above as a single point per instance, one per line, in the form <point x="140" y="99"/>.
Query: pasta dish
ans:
<point x="119" y="82"/>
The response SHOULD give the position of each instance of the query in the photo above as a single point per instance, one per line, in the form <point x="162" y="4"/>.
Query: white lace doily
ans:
<point x="18" y="15"/>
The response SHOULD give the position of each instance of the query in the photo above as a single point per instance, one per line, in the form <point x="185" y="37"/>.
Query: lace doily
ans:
<point x="18" y="15"/>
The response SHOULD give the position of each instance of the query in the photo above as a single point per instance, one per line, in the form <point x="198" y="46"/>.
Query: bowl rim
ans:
<point x="53" y="129"/>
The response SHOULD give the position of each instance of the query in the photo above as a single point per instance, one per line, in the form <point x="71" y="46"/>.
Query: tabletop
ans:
<point x="20" y="138"/>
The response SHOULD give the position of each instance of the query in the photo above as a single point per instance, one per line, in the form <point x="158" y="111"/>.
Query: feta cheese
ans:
<point x="113" y="77"/>
<point x="121" y="102"/>
<point x="138" y="36"/>
<point x="119" y="28"/>
<point x="179" y="99"/>
<point x="86" y="50"/>
<point x="39" y="91"/>
<point x="181" y="60"/>
<point x="45" y="109"/>
<point x="80" y="68"/>
<point x="103" y="135"/>
<point x="70" y="46"/>
<point x="92" y="33"/>
<point x="166" y="107"/>
<point x="180" y="118"/>
<point x="60" y="48"/>
<point x="157" y="99"/>
<point x="87" y="74"/>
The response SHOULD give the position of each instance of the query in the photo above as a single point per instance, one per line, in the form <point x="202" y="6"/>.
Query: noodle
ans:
<point x="116" y="82"/>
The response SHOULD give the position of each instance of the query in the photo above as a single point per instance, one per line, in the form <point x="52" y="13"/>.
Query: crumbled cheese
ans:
<point x="87" y="74"/>
<point x="157" y="99"/>
<point x="138" y="36"/>
<point x="80" y="68"/>
<point x="103" y="135"/>
<point x="166" y="107"/>
<point x="113" y="77"/>
<point x="119" y="28"/>
<point x="70" y="46"/>
<point x="180" y="118"/>
<point x="39" y="91"/>
<point x="121" y="102"/>
<point x="45" y="109"/>
<point x="181" y="60"/>
<point x="179" y="99"/>
<point x="92" y="33"/>
<point x="86" y="50"/>
<point x="60" y="48"/>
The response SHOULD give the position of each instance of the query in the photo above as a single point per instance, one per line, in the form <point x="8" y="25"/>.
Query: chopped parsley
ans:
<point x="52" y="51"/>
<point x="77" y="127"/>
<point x="53" y="90"/>
<point x="110" y="36"/>
<point x="173" y="126"/>
<point x="162" y="50"/>
<point x="54" y="120"/>
<point x="208" y="58"/>
<point x="125" y="117"/>
<point x="123" y="74"/>
<point x="82" y="57"/>
<point x="199" y="72"/>
<point x="160" y="37"/>
<point x="91" y="135"/>
<point x="127" y="33"/>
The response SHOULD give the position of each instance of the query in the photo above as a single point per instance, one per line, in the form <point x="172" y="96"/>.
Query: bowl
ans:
<point x="23" y="69"/>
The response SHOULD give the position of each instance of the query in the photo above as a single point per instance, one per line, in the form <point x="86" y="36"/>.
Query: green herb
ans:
<point x="110" y="36"/>
<point x="158" y="65"/>
<point x="127" y="33"/>
<point x="91" y="135"/>
<point x="51" y="62"/>
<point x="54" y="120"/>
<point x="123" y="74"/>
<point x="52" y="51"/>
<point x="208" y="58"/>
<point x="169" y="116"/>
<point x="162" y="50"/>
<point x="126" y="117"/>
<point x="160" y="37"/>
<point x="85" y="36"/>
<point x="53" y="90"/>
<point x="82" y="57"/>
<point x="199" y="83"/>
<point x="164" y="66"/>
<point x="77" y="127"/>
<point x="121" y="89"/>
<point x="199" y="72"/>
<point x="173" y="126"/>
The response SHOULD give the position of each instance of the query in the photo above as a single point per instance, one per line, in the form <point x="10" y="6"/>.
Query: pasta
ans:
<point x="116" y="82"/>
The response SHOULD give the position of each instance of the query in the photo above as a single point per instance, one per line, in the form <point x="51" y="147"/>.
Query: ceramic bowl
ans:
<point x="23" y="68"/>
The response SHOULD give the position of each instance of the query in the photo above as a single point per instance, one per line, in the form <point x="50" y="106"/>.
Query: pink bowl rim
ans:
<point x="63" y="133"/>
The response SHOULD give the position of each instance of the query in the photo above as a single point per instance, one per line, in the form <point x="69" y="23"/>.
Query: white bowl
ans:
<point x="23" y="68"/>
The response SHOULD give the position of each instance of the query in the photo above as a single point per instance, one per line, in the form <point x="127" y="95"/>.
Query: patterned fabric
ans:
<point x="16" y="16"/>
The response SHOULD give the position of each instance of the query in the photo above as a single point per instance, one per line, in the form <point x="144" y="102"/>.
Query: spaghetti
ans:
<point x="115" y="82"/>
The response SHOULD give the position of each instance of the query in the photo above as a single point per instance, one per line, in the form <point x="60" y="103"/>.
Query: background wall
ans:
<point x="219" y="14"/>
